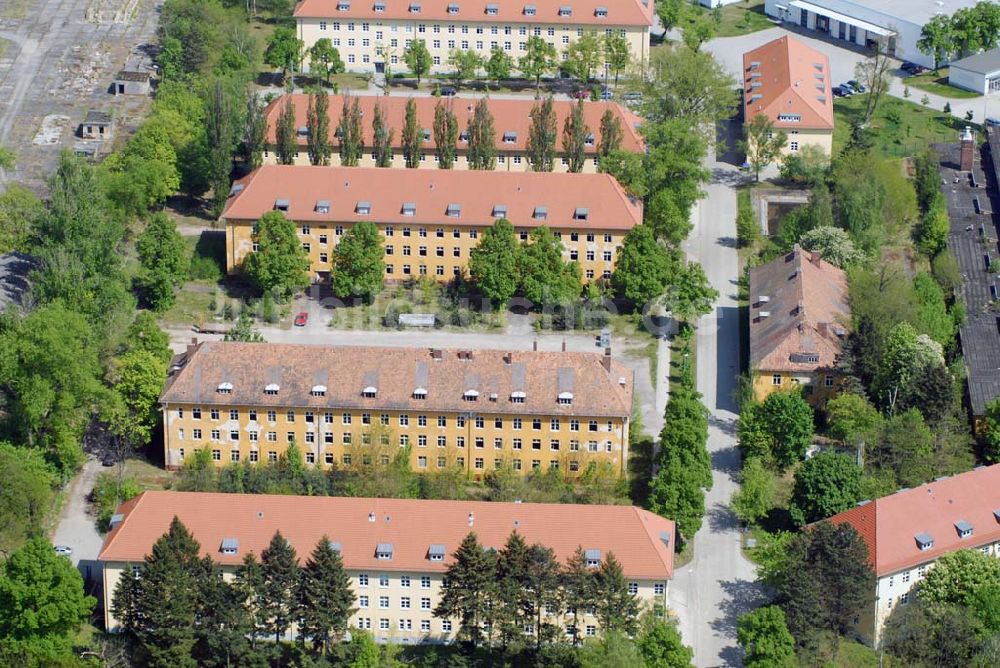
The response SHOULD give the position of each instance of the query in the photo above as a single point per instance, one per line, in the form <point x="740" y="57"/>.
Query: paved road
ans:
<point x="77" y="527"/>
<point x="718" y="585"/>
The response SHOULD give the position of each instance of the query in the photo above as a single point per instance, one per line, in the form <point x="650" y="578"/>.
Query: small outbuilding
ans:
<point x="979" y="73"/>
<point x="15" y="270"/>
<point x="131" y="82"/>
<point x="96" y="125"/>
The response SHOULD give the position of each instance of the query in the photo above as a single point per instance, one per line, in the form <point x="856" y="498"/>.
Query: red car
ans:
<point x="301" y="319"/>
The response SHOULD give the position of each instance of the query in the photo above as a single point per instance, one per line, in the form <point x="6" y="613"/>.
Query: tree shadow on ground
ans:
<point x="721" y="518"/>
<point x="727" y="461"/>
<point x="742" y="596"/>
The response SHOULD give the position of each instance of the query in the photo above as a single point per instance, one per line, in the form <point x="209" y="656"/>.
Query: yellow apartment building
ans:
<point x="799" y="318"/>
<point x="430" y="220"/>
<point x="349" y="406"/>
<point x="395" y="551"/>
<point x="372" y="34"/>
<point x="512" y="120"/>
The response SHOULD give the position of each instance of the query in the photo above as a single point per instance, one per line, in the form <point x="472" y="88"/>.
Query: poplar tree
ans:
<point x="349" y="132"/>
<point x="482" y="138"/>
<point x="445" y="135"/>
<point x="318" y="124"/>
<point x="411" y="136"/>
<point x="286" y="148"/>
<point x="280" y="583"/>
<point x="542" y="136"/>
<point x="467" y="588"/>
<point x="578" y="585"/>
<point x="615" y="608"/>
<point x="325" y="598"/>
<point x="254" y="131"/>
<point x="574" y="138"/>
<point x="383" y="135"/>
<point x="611" y="134"/>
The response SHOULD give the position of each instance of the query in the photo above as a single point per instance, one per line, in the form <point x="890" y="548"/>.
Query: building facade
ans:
<point x="799" y="319"/>
<point x="352" y="407"/>
<point x="907" y="532"/>
<point x="979" y="73"/>
<point x="372" y="35"/>
<point x="789" y="83"/>
<point x="512" y="119"/>
<point x="395" y="551"/>
<point x="430" y="220"/>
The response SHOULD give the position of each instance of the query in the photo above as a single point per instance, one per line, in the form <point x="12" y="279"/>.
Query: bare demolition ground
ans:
<point x="57" y="61"/>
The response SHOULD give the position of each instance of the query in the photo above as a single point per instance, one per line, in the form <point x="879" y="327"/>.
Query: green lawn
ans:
<point x="937" y="83"/>
<point x="740" y="18"/>
<point x="899" y="128"/>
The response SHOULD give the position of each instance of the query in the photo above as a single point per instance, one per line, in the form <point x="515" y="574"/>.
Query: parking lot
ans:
<point x="58" y="59"/>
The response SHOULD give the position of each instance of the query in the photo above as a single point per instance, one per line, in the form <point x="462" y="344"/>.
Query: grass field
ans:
<point x="899" y="127"/>
<point x="937" y="83"/>
<point x="739" y="18"/>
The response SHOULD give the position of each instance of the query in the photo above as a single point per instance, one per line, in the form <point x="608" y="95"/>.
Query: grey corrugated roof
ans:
<point x="986" y="62"/>
<point x="14" y="271"/>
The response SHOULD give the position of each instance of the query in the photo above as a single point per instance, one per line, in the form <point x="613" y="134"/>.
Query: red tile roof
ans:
<point x="345" y="372"/>
<point x="805" y="298"/>
<point x="619" y="12"/>
<point x="607" y="205"/>
<point x="410" y="526"/>
<point x="509" y="115"/>
<point x="889" y="525"/>
<point x="789" y="78"/>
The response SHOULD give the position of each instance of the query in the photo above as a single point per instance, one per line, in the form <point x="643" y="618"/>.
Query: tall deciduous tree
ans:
<point x="825" y="485"/>
<point x="417" y="58"/>
<point x="286" y="146"/>
<point x="318" y="126"/>
<point x="574" y="138"/>
<point x="644" y="267"/>
<point x="755" y="497"/>
<point x="539" y="59"/>
<point x="466" y="588"/>
<point x="482" y="149"/>
<point x="466" y="63"/>
<point x="325" y="598"/>
<point x="29" y="482"/>
<point x="761" y="143"/>
<point x="584" y="56"/>
<point x="499" y="65"/>
<point x="689" y="295"/>
<point x="661" y="645"/>
<point x="611" y="134"/>
<point x="616" y="53"/>
<point x="164" y="261"/>
<point x="324" y="59"/>
<point x="279" y="265"/>
<point x="937" y="39"/>
<point x="445" y="135"/>
<point x="284" y="50"/>
<point x="383" y="136"/>
<point x="280" y="583"/>
<point x="545" y="276"/>
<point x="873" y="72"/>
<point x="493" y="263"/>
<point x="358" y="267"/>
<point x="765" y="638"/>
<point x="542" y="136"/>
<point x="349" y="132"/>
<point x="254" y="131"/>
<point x="779" y="430"/>
<point x="412" y="136"/>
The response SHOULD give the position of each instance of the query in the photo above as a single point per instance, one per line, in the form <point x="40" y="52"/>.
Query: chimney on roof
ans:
<point x="824" y="329"/>
<point x="815" y="257"/>
<point x="564" y="345"/>
<point x="508" y="358"/>
<point x="606" y="360"/>
<point x="436" y="353"/>
<point x="192" y="347"/>
<point x="968" y="150"/>
<point x="472" y="519"/>
<point x="534" y="345"/>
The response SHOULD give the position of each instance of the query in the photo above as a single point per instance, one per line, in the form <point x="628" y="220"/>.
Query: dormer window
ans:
<point x="963" y="528"/>
<point x="236" y="189"/>
<point x="436" y="552"/>
<point x="453" y="9"/>
<point x="565" y="398"/>
<point x="565" y="10"/>
<point x="509" y="137"/>
<point x="225" y="388"/>
<point x="344" y="6"/>
<point x="303" y="131"/>
<point x="589" y="139"/>
<point x="323" y="206"/>
<point x="517" y="397"/>
<point x="281" y="204"/>
<point x="463" y="136"/>
<point x="271" y="389"/>
<point x="425" y="134"/>
<point x="492" y="10"/>
<point x="499" y="210"/>
<point x="363" y="208"/>
<point x="369" y="392"/>
<point x="529" y="10"/>
<point x="318" y="391"/>
<point x="924" y="541"/>
<point x="471" y="395"/>
<point x="540" y="213"/>
<point x="409" y="209"/>
<point x="414" y="7"/>
<point x="420" y="393"/>
<point x="454" y="211"/>
<point x="581" y="213"/>
<point x="601" y="12"/>
<point x="230" y="546"/>
<point x="379" y="7"/>
<point x="789" y="118"/>
<point x="383" y="552"/>
<point x="593" y="558"/>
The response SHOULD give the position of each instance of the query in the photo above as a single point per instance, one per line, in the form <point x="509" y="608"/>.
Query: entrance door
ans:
<point x="121" y="89"/>
<point x="380" y="68"/>
<point x="804" y="18"/>
<point x="823" y="23"/>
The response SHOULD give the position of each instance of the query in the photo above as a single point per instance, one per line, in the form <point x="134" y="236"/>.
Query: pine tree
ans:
<point x="286" y="147"/>
<point x="482" y="151"/>
<point x="224" y="623"/>
<point x="511" y="577"/>
<point x="542" y="136"/>
<point x="579" y="587"/>
<point x="411" y="136"/>
<point x="467" y="588"/>
<point x="281" y="579"/>
<point x="249" y="582"/>
<point x="616" y="608"/>
<point x="325" y="598"/>
<point x="445" y="135"/>
<point x="611" y="134"/>
<point x="574" y="138"/>
<point x="318" y="125"/>
<point x="543" y="578"/>
<point x="349" y="132"/>
<point x="383" y="135"/>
